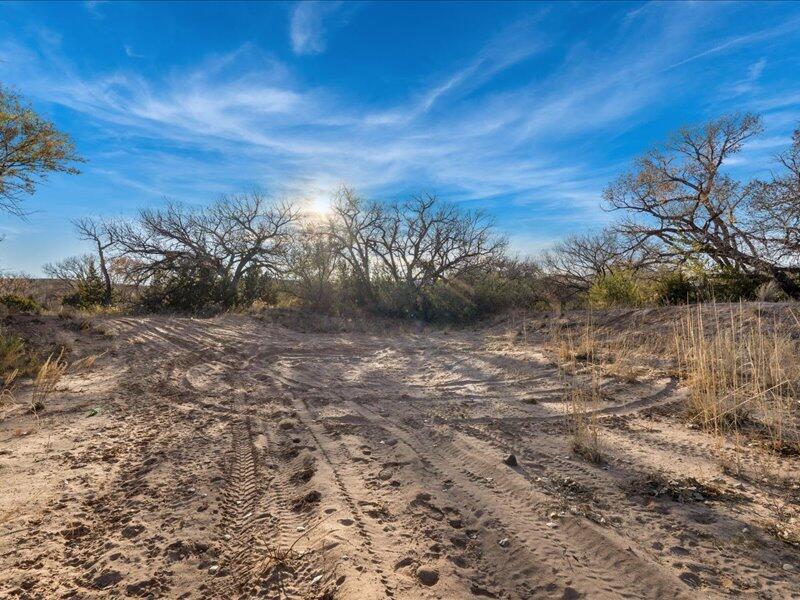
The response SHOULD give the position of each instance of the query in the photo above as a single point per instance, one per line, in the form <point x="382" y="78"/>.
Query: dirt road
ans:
<point x="235" y="458"/>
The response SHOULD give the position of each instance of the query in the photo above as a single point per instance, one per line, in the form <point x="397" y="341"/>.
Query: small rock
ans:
<point x="511" y="460"/>
<point x="108" y="579"/>
<point x="301" y="528"/>
<point x="788" y="567"/>
<point x="552" y="524"/>
<point x="503" y="543"/>
<point x="316" y="580"/>
<point x="213" y="569"/>
<point x="427" y="576"/>
<point x="690" y="579"/>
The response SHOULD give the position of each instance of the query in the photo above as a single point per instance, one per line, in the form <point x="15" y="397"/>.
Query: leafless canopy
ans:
<point x="776" y="206"/>
<point x="679" y="196"/>
<point x="579" y="260"/>
<point x="229" y="238"/>
<point x="102" y="235"/>
<point x="75" y="271"/>
<point x="413" y="244"/>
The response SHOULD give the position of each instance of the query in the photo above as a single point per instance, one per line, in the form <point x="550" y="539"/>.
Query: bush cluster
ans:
<point x="20" y="303"/>
<point x="627" y="289"/>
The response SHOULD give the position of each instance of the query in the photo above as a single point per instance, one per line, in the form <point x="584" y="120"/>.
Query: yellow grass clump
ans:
<point x="742" y="373"/>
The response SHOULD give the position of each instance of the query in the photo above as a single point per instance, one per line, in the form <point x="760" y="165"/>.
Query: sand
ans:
<point x="234" y="458"/>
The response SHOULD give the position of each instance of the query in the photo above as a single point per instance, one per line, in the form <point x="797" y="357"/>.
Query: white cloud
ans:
<point x="130" y="53"/>
<point x="308" y="27"/>
<point x="93" y="8"/>
<point x="243" y="118"/>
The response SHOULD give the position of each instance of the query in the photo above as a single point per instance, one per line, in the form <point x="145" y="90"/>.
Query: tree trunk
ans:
<point x="106" y="277"/>
<point x="787" y="283"/>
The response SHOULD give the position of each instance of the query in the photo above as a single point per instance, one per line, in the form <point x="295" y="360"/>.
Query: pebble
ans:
<point x="316" y="580"/>
<point x="503" y="543"/>
<point x="788" y="567"/>
<point x="552" y="524"/>
<point x="427" y="576"/>
<point x="511" y="460"/>
<point x="213" y="568"/>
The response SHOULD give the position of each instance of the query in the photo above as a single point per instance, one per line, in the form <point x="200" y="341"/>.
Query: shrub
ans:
<point x="20" y="303"/>
<point x="730" y="285"/>
<point x="620" y="288"/>
<point x="15" y="356"/>
<point x="770" y="291"/>
<point x="89" y="290"/>
<point x="188" y="288"/>
<point x="674" y="287"/>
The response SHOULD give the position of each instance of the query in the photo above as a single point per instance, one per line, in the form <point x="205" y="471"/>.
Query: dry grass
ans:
<point x="46" y="380"/>
<point x="743" y="375"/>
<point x="15" y="356"/>
<point x="585" y="426"/>
<point x="622" y="355"/>
<point x="84" y="364"/>
<point x="7" y="393"/>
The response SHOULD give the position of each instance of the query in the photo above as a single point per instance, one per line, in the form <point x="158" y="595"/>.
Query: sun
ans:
<point x="319" y="206"/>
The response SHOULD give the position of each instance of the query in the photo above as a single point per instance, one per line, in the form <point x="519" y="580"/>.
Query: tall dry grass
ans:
<point x="46" y="380"/>
<point x="585" y="425"/>
<point x="743" y="374"/>
<point x="581" y="359"/>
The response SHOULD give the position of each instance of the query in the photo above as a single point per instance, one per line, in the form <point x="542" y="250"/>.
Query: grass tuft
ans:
<point x="743" y="376"/>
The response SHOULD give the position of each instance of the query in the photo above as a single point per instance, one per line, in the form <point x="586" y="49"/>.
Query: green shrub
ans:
<point x="674" y="287"/>
<point x="620" y="288"/>
<point x="20" y="303"/>
<point x="89" y="291"/>
<point x="14" y="356"/>
<point x="192" y="288"/>
<point x="730" y="285"/>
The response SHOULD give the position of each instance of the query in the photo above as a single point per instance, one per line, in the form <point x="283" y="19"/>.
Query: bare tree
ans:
<point x="102" y="234"/>
<point x="353" y="227"/>
<point x="679" y="196"/>
<point x="228" y="239"/>
<point x="776" y="205"/>
<point x="413" y="244"/>
<point x="422" y="241"/>
<point x="76" y="271"/>
<point x="313" y="261"/>
<point x="578" y="261"/>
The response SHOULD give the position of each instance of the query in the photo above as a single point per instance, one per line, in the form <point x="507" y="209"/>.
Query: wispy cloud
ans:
<point x="311" y="21"/>
<point x="130" y="52"/>
<point x="534" y="144"/>
<point x="93" y="8"/>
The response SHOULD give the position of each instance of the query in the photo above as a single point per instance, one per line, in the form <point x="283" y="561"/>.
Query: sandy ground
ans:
<point x="231" y="457"/>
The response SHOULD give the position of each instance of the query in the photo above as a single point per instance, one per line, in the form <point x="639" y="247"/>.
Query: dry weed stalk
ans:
<point x="583" y="400"/>
<point x="47" y="379"/>
<point x="742" y="373"/>
<point x="86" y="363"/>
<point x="7" y="392"/>
<point x="585" y="424"/>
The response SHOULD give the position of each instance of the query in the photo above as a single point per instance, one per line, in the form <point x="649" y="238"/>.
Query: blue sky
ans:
<point x="526" y="110"/>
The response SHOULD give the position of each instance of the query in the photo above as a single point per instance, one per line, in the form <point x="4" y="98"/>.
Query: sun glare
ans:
<point x="319" y="206"/>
